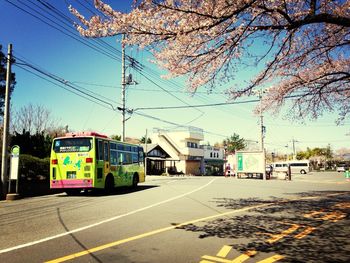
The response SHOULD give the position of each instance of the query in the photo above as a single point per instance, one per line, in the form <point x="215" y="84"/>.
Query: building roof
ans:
<point x="157" y="150"/>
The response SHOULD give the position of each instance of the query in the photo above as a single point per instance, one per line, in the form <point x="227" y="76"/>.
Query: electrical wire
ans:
<point x="66" y="85"/>
<point x="68" y="32"/>
<point x="60" y="86"/>
<point x="76" y="88"/>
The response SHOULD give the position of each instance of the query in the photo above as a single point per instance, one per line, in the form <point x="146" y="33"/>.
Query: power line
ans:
<point x="62" y="18"/>
<point x="61" y="86"/>
<point x="62" y="83"/>
<point x="76" y="88"/>
<point x="188" y="105"/>
<point x="68" y="32"/>
<point x="198" y="105"/>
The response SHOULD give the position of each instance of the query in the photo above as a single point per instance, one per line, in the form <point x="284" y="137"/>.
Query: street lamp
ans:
<point x="225" y="150"/>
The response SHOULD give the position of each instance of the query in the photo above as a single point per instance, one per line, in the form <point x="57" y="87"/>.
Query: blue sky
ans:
<point x="51" y="50"/>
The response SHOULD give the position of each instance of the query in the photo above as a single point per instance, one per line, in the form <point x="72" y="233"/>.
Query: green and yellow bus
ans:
<point x="88" y="160"/>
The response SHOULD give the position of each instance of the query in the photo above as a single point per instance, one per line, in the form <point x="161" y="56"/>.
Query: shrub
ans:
<point x="34" y="175"/>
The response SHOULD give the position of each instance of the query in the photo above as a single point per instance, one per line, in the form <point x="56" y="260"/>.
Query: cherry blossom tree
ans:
<point x="304" y="46"/>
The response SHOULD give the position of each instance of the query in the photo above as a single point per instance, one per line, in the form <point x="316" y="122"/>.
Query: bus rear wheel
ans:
<point x="109" y="184"/>
<point x="135" y="180"/>
<point x="73" y="192"/>
<point x="303" y="172"/>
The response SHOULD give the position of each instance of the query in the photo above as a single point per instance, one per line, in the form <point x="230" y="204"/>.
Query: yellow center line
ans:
<point x="224" y="251"/>
<point x="151" y="233"/>
<point x="314" y="213"/>
<point x="285" y="233"/>
<point x="344" y="205"/>
<point x="244" y="256"/>
<point x="212" y="259"/>
<point x="161" y="230"/>
<point x="307" y="231"/>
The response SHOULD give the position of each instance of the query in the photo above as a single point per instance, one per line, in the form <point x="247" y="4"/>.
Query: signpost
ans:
<point x="14" y="162"/>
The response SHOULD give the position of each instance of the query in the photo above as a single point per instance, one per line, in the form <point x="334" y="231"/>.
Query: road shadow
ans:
<point x="117" y="191"/>
<point x="305" y="230"/>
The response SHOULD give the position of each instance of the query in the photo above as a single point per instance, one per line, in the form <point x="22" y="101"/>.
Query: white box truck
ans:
<point x="250" y="164"/>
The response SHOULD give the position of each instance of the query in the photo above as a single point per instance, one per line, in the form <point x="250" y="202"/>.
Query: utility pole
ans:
<point x="123" y="89"/>
<point x="262" y="133"/>
<point x="125" y="81"/>
<point x="262" y="127"/>
<point x="294" y="153"/>
<point x="4" y="176"/>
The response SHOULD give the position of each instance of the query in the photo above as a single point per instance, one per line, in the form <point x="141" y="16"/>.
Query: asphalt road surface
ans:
<point x="185" y="219"/>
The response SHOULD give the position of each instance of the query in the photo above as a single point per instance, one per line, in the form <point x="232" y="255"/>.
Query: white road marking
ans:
<point x="103" y="221"/>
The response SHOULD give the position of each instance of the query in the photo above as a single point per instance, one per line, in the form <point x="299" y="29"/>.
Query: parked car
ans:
<point x="342" y="168"/>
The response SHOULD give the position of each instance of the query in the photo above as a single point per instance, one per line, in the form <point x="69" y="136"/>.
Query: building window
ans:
<point x="192" y="145"/>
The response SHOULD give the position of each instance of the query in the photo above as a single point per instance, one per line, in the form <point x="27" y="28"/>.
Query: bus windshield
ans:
<point x="72" y="145"/>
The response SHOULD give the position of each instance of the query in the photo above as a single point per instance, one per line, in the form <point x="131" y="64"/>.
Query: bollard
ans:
<point x="347" y="175"/>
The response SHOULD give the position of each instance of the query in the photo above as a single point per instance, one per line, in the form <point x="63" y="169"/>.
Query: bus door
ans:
<point x="99" y="164"/>
<point x="107" y="167"/>
<point x="102" y="161"/>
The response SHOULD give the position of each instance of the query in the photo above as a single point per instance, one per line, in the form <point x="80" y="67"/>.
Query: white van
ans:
<point x="296" y="166"/>
<point x="280" y="167"/>
<point x="300" y="166"/>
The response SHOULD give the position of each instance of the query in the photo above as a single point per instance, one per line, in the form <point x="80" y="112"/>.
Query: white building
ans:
<point x="213" y="160"/>
<point x="183" y="145"/>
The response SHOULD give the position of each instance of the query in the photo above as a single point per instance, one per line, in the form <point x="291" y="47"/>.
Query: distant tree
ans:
<point x="3" y="63"/>
<point x="326" y="152"/>
<point x="217" y="144"/>
<point x="57" y="131"/>
<point x="302" y="155"/>
<point x="329" y="153"/>
<point x="143" y="140"/>
<point x="235" y="143"/>
<point x="342" y="152"/>
<point x="116" y="137"/>
<point x="301" y="47"/>
<point x="33" y="129"/>
<point x="34" y="119"/>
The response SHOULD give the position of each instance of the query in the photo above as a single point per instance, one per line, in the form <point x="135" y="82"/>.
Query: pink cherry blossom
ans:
<point x="305" y="44"/>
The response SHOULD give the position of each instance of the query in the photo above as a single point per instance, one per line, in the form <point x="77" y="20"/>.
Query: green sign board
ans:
<point x="239" y="162"/>
<point x="14" y="162"/>
<point x="250" y="162"/>
<point x="15" y="150"/>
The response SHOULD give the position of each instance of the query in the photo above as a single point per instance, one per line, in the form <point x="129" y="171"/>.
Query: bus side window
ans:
<point x="121" y="158"/>
<point x="99" y="151"/>
<point x="106" y="152"/>
<point x="141" y="155"/>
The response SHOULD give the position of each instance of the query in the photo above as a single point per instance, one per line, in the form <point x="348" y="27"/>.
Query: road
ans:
<point x="185" y="219"/>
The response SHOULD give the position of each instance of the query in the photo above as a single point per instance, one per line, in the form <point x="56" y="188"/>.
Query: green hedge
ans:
<point x="34" y="176"/>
